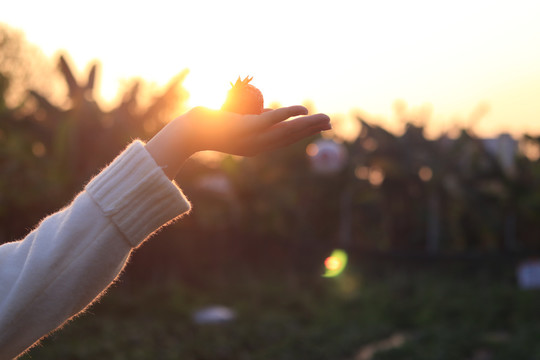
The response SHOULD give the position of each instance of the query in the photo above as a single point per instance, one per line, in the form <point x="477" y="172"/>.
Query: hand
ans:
<point x="204" y="129"/>
<point x="248" y="135"/>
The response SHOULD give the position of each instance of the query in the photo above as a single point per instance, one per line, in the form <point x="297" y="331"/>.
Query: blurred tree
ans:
<point x="28" y="68"/>
<point x="49" y="152"/>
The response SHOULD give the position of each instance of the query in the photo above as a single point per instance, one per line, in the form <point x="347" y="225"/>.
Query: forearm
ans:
<point x="55" y="272"/>
<point x="66" y="262"/>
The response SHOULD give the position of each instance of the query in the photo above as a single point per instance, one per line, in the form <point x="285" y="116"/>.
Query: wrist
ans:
<point x="171" y="147"/>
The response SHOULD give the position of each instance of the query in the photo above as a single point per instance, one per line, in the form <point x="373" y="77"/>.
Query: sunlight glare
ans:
<point x="205" y="90"/>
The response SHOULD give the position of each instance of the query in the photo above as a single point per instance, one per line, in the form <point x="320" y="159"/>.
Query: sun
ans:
<point x="206" y="91"/>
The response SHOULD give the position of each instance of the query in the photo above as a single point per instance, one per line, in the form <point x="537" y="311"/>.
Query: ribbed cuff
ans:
<point x="136" y="194"/>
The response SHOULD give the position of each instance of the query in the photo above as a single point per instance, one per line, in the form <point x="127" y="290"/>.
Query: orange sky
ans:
<point x="450" y="57"/>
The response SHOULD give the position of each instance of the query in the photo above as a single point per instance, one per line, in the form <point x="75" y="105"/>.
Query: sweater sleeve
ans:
<point x="65" y="263"/>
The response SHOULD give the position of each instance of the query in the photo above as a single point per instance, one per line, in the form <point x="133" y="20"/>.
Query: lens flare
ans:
<point x="335" y="263"/>
<point x="332" y="263"/>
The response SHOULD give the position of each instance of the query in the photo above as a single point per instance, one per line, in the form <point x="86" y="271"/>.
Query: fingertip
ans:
<point x="324" y="117"/>
<point x="304" y="110"/>
<point x="324" y="126"/>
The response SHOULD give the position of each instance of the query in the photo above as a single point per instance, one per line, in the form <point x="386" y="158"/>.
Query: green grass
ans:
<point x="439" y="312"/>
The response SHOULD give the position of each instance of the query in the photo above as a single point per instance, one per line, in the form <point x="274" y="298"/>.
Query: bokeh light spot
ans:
<point x="335" y="263"/>
<point x="332" y="263"/>
<point x="38" y="149"/>
<point x="425" y="173"/>
<point x="370" y="144"/>
<point x="312" y="150"/>
<point x="376" y="176"/>
<point x="362" y="172"/>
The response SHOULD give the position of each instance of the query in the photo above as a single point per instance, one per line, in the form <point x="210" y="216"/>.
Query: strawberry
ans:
<point x="244" y="98"/>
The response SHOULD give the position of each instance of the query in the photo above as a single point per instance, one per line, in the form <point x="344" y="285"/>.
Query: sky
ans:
<point x="460" y="62"/>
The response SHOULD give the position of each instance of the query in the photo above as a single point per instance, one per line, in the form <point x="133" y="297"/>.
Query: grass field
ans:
<point x="384" y="310"/>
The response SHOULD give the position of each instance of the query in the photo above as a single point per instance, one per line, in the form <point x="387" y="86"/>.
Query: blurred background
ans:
<point x="434" y="207"/>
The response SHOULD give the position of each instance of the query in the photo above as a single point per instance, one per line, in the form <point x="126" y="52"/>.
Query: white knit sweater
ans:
<point x="75" y="254"/>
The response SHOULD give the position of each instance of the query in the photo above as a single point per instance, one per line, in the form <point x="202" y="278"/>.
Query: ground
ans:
<point x="382" y="310"/>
